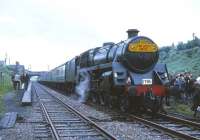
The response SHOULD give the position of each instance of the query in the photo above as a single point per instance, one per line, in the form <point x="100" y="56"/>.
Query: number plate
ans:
<point x="147" y="81"/>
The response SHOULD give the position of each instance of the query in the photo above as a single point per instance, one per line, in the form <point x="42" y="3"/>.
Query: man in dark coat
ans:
<point x="26" y="80"/>
<point x="196" y="99"/>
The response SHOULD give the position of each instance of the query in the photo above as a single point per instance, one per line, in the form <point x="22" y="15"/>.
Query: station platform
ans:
<point x="26" y="100"/>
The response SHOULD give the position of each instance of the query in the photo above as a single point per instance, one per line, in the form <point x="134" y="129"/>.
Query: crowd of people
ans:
<point x="184" y="84"/>
<point x="186" y="89"/>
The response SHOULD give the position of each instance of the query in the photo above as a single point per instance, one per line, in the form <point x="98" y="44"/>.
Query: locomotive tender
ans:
<point x="125" y="74"/>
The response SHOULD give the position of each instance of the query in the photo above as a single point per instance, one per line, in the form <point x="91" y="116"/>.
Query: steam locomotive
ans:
<point x="124" y="75"/>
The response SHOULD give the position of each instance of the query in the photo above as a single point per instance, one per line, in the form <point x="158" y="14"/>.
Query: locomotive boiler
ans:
<point x="124" y="75"/>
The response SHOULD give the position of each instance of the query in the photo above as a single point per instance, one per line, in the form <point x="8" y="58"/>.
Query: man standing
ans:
<point x="17" y="81"/>
<point x="196" y="100"/>
<point x="26" y="80"/>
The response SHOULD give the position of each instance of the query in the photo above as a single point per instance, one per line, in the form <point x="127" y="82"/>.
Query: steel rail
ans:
<point x="165" y="129"/>
<point x="158" y="127"/>
<point x="55" y="133"/>
<point x="92" y="123"/>
<point x="180" y="120"/>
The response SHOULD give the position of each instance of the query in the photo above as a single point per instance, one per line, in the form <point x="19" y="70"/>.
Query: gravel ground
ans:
<point x="27" y="119"/>
<point x="122" y="129"/>
<point x="30" y="120"/>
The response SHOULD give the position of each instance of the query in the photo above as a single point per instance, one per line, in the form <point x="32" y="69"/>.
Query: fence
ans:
<point x="1" y="78"/>
<point x="5" y="78"/>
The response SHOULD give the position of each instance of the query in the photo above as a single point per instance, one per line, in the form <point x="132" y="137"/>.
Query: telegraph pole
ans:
<point x="29" y="67"/>
<point x="6" y="56"/>
<point x="193" y="36"/>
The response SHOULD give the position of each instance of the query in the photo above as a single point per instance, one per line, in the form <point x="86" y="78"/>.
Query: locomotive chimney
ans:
<point x="132" y="32"/>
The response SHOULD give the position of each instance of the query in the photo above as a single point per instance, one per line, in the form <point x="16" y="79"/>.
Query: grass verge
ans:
<point x="4" y="88"/>
<point x="180" y="108"/>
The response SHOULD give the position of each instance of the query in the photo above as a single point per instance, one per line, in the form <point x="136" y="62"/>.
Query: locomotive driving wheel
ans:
<point x="152" y="103"/>
<point x="110" y="101"/>
<point x="101" y="97"/>
<point x="124" y="103"/>
<point x="93" y="97"/>
<point x="155" y="107"/>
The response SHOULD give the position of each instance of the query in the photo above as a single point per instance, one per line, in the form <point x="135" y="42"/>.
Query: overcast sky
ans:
<point x="50" y="32"/>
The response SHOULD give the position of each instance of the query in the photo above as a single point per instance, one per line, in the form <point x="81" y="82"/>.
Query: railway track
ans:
<point x="64" y="122"/>
<point x="173" y="126"/>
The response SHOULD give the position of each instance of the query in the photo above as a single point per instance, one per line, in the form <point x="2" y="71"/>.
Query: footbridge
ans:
<point x="35" y="73"/>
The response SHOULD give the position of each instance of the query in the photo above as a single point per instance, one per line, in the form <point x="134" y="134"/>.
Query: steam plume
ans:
<point x="82" y="89"/>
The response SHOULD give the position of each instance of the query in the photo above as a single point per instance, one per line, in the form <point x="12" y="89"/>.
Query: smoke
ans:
<point x="82" y="89"/>
<point x="198" y="80"/>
